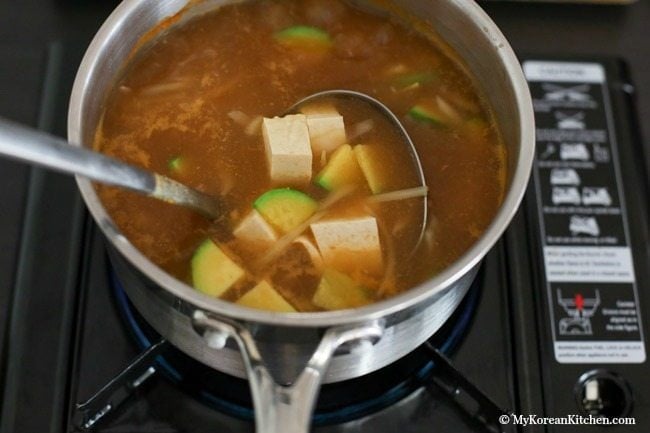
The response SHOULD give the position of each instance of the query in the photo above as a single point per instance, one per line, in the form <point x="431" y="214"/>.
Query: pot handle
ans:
<point x="280" y="408"/>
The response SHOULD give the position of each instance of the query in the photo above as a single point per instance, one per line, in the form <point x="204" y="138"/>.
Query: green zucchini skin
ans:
<point x="285" y="208"/>
<point x="213" y="272"/>
<point x="304" y="35"/>
<point x="423" y="114"/>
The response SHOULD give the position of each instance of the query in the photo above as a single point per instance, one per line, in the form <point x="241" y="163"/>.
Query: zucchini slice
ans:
<point x="265" y="297"/>
<point x="213" y="272"/>
<point x="338" y="291"/>
<point x="476" y="128"/>
<point x="175" y="165"/>
<point x="418" y="78"/>
<point x="342" y="170"/>
<point x="304" y="37"/>
<point x="427" y="113"/>
<point x="285" y="208"/>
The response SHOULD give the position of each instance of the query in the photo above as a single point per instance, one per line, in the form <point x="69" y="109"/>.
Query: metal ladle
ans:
<point x="389" y="115"/>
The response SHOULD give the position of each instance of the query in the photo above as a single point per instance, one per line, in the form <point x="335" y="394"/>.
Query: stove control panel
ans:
<point x="591" y="284"/>
<point x="590" y="235"/>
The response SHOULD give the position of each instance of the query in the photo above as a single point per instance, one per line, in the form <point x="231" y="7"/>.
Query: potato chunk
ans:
<point x="288" y="149"/>
<point x="264" y="297"/>
<point x="337" y="291"/>
<point x="350" y="245"/>
<point x="371" y="160"/>
<point x="342" y="170"/>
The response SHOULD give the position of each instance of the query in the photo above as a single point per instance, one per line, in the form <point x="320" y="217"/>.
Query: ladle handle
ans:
<point x="35" y="147"/>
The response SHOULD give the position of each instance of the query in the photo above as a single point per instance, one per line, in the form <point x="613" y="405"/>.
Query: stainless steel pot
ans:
<point x="287" y="356"/>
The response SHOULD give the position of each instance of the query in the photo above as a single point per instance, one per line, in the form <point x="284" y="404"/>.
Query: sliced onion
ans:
<point x="361" y="129"/>
<point x="459" y="101"/>
<point x="389" y="280"/>
<point x="226" y="182"/>
<point x="255" y="126"/>
<point x="385" y="34"/>
<point x="452" y="114"/>
<point x="397" y="68"/>
<point x="404" y="194"/>
<point x="430" y="233"/>
<point x="324" y="12"/>
<point x="240" y="118"/>
<point x="312" y="251"/>
<point x="400" y="226"/>
<point x="323" y="158"/>
<point x="159" y="89"/>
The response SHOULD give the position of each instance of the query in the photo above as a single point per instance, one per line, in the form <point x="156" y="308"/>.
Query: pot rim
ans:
<point x="416" y="295"/>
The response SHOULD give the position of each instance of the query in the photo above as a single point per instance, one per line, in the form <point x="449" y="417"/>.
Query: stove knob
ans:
<point x="603" y="393"/>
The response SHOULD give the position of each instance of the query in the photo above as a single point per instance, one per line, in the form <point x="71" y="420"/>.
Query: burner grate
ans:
<point x="336" y="403"/>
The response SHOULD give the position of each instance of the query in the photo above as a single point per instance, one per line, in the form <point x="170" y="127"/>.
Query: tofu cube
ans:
<point x="254" y="234"/>
<point x="288" y="149"/>
<point x="319" y="109"/>
<point x="265" y="297"/>
<point x="349" y="245"/>
<point x="327" y="132"/>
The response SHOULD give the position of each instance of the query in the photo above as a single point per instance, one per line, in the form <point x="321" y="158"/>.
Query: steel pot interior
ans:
<point x="460" y="22"/>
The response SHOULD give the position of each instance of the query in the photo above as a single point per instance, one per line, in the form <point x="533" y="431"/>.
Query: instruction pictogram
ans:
<point x="577" y="93"/>
<point x="580" y="310"/>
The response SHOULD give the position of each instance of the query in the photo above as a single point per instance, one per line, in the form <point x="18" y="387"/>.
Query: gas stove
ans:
<point x="554" y="326"/>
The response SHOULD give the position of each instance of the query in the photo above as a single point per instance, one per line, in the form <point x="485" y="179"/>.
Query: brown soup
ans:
<point x="198" y="106"/>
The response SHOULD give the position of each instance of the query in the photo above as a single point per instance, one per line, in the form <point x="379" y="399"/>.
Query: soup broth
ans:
<point x="206" y="104"/>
